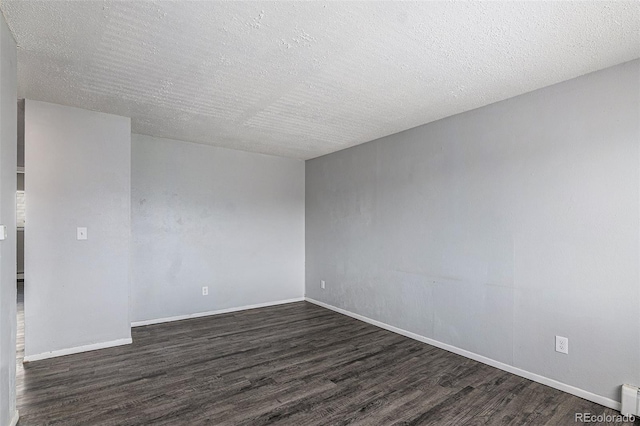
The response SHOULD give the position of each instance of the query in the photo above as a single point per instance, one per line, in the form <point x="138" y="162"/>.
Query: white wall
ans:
<point x="496" y="229"/>
<point x="8" y="161"/>
<point x="76" y="292"/>
<point x="205" y="216"/>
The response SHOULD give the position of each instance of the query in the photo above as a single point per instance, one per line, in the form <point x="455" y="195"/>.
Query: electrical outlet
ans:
<point x="322" y="284"/>
<point x="205" y="291"/>
<point x="562" y="345"/>
<point x="81" y="233"/>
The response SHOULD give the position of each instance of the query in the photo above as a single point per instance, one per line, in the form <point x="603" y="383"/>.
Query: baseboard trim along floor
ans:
<point x="77" y="349"/>
<point x="589" y="396"/>
<point x="607" y="402"/>
<point x="14" y="420"/>
<point x="218" y="312"/>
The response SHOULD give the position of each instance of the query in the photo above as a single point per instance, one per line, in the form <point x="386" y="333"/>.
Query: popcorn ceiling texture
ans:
<point x="306" y="79"/>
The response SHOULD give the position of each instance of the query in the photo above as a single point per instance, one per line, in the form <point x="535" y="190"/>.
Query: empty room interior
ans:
<point x="319" y="213"/>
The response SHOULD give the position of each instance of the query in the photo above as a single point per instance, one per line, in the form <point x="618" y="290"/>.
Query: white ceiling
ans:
<point x="309" y="78"/>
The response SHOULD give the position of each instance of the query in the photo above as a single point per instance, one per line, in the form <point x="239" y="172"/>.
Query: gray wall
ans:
<point x="205" y="216"/>
<point x="20" y="133"/>
<point x="76" y="292"/>
<point x="8" y="158"/>
<point x="496" y="229"/>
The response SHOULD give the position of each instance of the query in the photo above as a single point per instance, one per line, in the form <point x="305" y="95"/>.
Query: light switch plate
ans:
<point x="82" y="233"/>
<point x="3" y="232"/>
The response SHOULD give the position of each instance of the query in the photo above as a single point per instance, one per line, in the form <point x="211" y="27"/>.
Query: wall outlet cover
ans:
<point x="81" y="233"/>
<point x="205" y="291"/>
<point x="562" y="345"/>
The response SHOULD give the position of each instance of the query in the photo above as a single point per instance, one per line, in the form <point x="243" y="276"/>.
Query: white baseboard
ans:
<point x="77" y="349"/>
<point x="14" y="420"/>
<point x="607" y="402"/>
<point x="218" y="312"/>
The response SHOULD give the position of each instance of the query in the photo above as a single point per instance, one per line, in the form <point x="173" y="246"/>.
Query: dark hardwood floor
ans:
<point x="295" y="364"/>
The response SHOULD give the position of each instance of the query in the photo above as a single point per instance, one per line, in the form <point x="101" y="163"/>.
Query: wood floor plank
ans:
<point x="294" y="364"/>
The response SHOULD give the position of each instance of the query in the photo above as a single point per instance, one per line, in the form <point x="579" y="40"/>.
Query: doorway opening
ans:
<point x="20" y="225"/>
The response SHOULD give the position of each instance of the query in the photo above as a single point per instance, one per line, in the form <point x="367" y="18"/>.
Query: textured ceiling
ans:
<point x="308" y="78"/>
